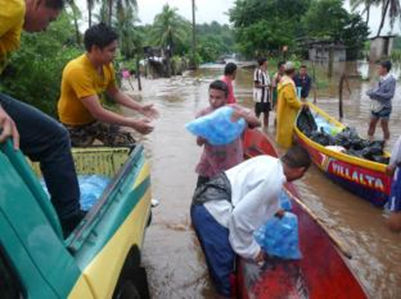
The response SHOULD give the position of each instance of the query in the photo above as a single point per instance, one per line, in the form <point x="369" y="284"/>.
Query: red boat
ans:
<point x="323" y="271"/>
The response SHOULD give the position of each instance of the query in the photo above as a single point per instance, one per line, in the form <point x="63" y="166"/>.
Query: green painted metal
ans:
<point x="31" y="234"/>
<point x="20" y="164"/>
<point x="40" y="258"/>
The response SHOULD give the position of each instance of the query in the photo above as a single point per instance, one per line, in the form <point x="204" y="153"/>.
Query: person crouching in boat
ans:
<point x="227" y="210"/>
<point x="217" y="158"/>
<point x="394" y="169"/>
<point x="287" y="107"/>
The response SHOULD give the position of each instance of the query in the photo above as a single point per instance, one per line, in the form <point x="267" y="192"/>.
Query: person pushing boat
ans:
<point x="287" y="107"/>
<point x="227" y="210"/>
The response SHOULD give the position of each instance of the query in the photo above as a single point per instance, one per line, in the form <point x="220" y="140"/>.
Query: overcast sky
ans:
<point x="216" y="10"/>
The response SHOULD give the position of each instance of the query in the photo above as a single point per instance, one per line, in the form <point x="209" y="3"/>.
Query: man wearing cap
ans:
<point x="287" y="107"/>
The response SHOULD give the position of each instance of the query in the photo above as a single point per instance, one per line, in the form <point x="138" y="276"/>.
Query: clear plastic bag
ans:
<point x="279" y="237"/>
<point x="217" y="127"/>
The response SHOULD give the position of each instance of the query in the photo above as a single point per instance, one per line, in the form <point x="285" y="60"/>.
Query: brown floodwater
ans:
<point x="172" y="256"/>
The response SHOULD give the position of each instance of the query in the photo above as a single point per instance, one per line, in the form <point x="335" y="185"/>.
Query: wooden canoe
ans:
<point x="323" y="271"/>
<point x="363" y="177"/>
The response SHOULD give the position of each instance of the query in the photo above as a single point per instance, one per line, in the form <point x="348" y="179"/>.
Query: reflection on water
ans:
<point x="176" y="267"/>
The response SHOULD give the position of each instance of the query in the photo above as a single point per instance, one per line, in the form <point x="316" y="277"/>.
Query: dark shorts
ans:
<point x="383" y="113"/>
<point x="262" y="108"/>
<point x="395" y="194"/>
<point x="220" y="257"/>
<point x="109" y="135"/>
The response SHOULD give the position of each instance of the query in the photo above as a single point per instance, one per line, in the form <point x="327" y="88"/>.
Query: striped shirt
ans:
<point x="261" y="94"/>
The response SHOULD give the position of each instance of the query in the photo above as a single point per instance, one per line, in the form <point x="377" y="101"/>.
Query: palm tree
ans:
<point x="90" y="5"/>
<point x="76" y="14"/>
<point x="121" y="4"/>
<point x="169" y="29"/>
<point x="392" y="7"/>
<point x="193" y="35"/>
<point x="367" y="6"/>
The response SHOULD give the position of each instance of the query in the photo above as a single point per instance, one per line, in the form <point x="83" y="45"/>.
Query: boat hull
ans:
<point x="362" y="177"/>
<point x="322" y="272"/>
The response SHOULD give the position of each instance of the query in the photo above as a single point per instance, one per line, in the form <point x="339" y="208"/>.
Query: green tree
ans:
<point x="264" y="26"/>
<point x="338" y="25"/>
<point x="170" y="30"/>
<point x="34" y="71"/>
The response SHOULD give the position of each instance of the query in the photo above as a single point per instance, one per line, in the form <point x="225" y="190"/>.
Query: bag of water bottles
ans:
<point x="285" y="202"/>
<point x="91" y="187"/>
<point x="279" y="237"/>
<point x="217" y="127"/>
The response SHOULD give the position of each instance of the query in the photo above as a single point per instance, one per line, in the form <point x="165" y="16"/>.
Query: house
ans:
<point x="319" y="51"/>
<point x="380" y="47"/>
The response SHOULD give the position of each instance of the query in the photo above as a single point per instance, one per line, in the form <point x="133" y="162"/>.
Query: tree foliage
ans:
<point x="263" y="27"/>
<point x="34" y="71"/>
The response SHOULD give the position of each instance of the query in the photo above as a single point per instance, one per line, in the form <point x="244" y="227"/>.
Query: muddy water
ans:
<point x="174" y="262"/>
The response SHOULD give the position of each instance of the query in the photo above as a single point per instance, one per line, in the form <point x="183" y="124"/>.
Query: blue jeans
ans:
<point x="46" y="141"/>
<point x="220" y="257"/>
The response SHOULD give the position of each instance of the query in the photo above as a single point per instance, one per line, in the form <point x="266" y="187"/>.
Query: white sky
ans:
<point x="215" y="10"/>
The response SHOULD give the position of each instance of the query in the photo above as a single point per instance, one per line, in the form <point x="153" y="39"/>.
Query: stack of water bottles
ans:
<point x="217" y="127"/>
<point x="279" y="236"/>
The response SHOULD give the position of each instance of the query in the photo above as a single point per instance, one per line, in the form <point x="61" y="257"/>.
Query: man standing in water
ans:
<point x="227" y="210"/>
<point x="230" y="73"/>
<point x="381" y="97"/>
<point x="40" y="137"/>
<point x="85" y="80"/>
<point x="287" y="107"/>
<point x="261" y="91"/>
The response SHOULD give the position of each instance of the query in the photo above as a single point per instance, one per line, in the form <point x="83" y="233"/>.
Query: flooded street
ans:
<point x="173" y="259"/>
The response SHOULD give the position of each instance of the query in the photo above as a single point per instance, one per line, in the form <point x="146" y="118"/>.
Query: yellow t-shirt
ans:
<point x="12" y="14"/>
<point x="81" y="80"/>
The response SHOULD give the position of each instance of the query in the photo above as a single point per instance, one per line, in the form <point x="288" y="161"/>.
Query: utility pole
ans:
<point x="194" y="66"/>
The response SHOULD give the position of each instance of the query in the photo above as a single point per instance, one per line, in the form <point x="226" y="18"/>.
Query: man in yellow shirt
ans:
<point x="84" y="82"/>
<point x="287" y="107"/>
<point x="40" y="137"/>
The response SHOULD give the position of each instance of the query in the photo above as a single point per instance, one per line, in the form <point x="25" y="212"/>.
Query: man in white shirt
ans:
<point x="227" y="210"/>
<point x="394" y="203"/>
<point x="261" y="91"/>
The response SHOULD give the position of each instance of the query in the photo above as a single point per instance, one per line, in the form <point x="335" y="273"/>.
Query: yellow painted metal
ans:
<point x="96" y="160"/>
<point x="103" y="272"/>
<point x="81" y="289"/>
<point x="337" y="155"/>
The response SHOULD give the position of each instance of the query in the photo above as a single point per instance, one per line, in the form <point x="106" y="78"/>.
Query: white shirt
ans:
<point x="261" y="94"/>
<point x="255" y="188"/>
<point x="396" y="153"/>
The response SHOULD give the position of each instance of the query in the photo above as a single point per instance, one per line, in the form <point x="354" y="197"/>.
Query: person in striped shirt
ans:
<point x="261" y="91"/>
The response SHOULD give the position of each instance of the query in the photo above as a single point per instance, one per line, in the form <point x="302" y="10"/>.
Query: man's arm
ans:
<point x="385" y="92"/>
<point x="124" y="100"/>
<point x="247" y="115"/>
<point x="93" y="105"/>
<point x="248" y="216"/>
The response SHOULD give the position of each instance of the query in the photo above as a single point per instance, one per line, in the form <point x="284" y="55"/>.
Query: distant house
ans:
<point x="380" y="47"/>
<point x="320" y="51"/>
